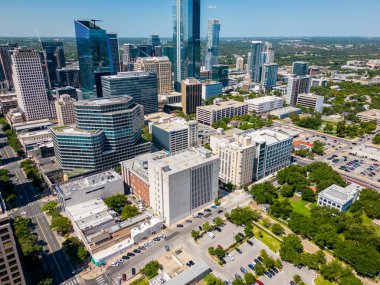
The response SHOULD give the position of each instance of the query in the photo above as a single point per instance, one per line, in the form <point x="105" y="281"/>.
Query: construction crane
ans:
<point x="94" y="21"/>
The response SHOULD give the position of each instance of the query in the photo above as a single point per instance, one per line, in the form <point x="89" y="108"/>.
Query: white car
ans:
<point x="230" y="257"/>
<point x="114" y="264"/>
<point x="120" y="261"/>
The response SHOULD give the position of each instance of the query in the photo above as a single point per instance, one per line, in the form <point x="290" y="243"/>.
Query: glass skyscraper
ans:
<point x="114" y="54"/>
<point x="213" y="43"/>
<point x="300" y="68"/>
<point x="154" y="40"/>
<point x="256" y="60"/>
<point x="94" y="54"/>
<point x="54" y="58"/>
<point x="269" y="75"/>
<point x="186" y="35"/>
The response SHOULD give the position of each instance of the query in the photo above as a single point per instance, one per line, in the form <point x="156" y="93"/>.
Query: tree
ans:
<point x="259" y="268"/>
<point x="129" y="211"/>
<point x="318" y="147"/>
<point x="50" y="207"/>
<point x="150" y="269"/>
<point x="281" y="209"/>
<point x="287" y="190"/>
<point x="331" y="271"/>
<point x="297" y="278"/>
<point x="248" y="230"/>
<point x="308" y="195"/>
<point x="244" y="215"/>
<point x="61" y="224"/>
<point x="277" y="229"/>
<point x="291" y="248"/>
<point x="238" y="281"/>
<point x="266" y="222"/>
<point x="264" y="193"/>
<point x="206" y="226"/>
<point x="46" y="281"/>
<point x="329" y="128"/>
<point x="238" y="238"/>
<point x="195" y="234"/>
<point x="76" y="250"/>
<point x="278" y="263"/>
<point x="211" y="250"/>
<point x="376" y="139"/>
<point x="249" y="278"/>
<point x="116" y="202"/>
<point x="217" y="202"/>
<point x="218" y="221"/>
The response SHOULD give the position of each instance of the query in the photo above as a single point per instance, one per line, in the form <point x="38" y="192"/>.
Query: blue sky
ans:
<point x="138" y="18"/>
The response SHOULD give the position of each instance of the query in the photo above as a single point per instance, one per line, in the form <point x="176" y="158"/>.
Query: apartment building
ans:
<point x="264" y="104"/>
<point x="64" y="108"/>
<point x="310" y="100"/>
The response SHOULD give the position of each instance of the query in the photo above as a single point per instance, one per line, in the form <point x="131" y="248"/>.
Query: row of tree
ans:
<point x="7" y="188"/>
<point x="59" y="223"/>
<point x="32" y="173"/>
<point x="119" y="203"/>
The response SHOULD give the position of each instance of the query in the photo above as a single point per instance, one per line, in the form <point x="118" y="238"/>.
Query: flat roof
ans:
<point x="311" y="95"/>
<point x="285" y="110"/>
<point x="171" y="125"/>
<point x="34" y="133"/>
<point x="223" y="105"/>
<point x="339" y="194"/>
<point x="104" y="101"/>
<point x="74" y="131"/>
<point x="32" y="124"/>
<point x="200" y="268"/>
<point x="269" y="136"/>
<point x="263" y="99"/>
<point x="127" y="74"/>
<point x="371" y="113"/>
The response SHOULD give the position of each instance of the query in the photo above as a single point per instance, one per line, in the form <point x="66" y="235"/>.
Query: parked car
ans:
<point x="260" y="258"/>
<point x="210" y="234"/>
<point x="120" y="261"/>
<point x="230" y="257"/>
<point x="243" y="270"/>
<point x="200" y="228"/>
<point x="130" y="254"/>
<point x="239" y="250"/>
<point x="189" y="221"/>
<point x="237" y="276"/>
<point x="156" y="239"/>
<point x="141" y="248"/>
<point x="259" y="282"/>
<point x="167" y="248"/>
<point x="179" y="226"/>
<point x="125" y="257"/>
<point x="114" y="264"/>
<point x="136" y="251"/>
<point x="218" y="229"/>
<point x="220" y="211"/>
<point x="124" y="277"/>
<point x="274" y="269"/>
<point x="251" y="266"/>
<point x="207" y="210"/>
<point x="222" y="260"/>
<point x="249" y="242"/>
<point x="133" y="271"/>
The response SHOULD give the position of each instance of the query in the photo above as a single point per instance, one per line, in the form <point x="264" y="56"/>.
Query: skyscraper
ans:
<point x="219" y="73"/>
<point x="6" y="65"/>
<point x="93" y="53"/>
<point x="154" y="40"/>
<point x="169" y="52"/>
<point x="187" y="39"/>
<point x="191" y="95"/>
<point x="240" y="63"/>
<point x="54" y="58"/>
<point x="129" y="56"/>
<point x="64" y="108"/>
<point x="269" y="75"/>
<point x="256" y="60"/>
<point x="268" y="53"/>
<point x="113" y="50"/>
<point x="213" y="43"/>
<point x="29" y="84"/>
<point x="140" y="85"/>
<point x="300" y="68"/>
<point x="68" y="76"/>
<point x="297" y="85"/>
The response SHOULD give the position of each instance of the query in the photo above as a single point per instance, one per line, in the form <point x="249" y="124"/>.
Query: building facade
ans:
<point x="64" y="108"/>
<point x="239" y="63"/>
<point x="68" y="76"/>
<point x="30" y="85"/>
<point x="370" y="115"/>
<point x="191" y="95"/>
<point x="213" y="43"/>
<point x="310" y="100"/>
<point x="269" y="75"/>
<point x="264" y="104"/>
<point x="54" y="59"/>
<point x="339" y="198"/>
<point x="140" y="85"/>
<point x="256" y="60"/>
<point x="6" y="65"/>
<point x="297" y="85"/>
<point x="300" y="68"/>
<point x="211" y="89"/>
<point x="181" y="184"/>
<point x="162" y="67"/>
<point x="219" y="73"/>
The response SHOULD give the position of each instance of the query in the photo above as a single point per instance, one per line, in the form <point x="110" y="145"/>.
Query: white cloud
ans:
<point x="211" y="7"/>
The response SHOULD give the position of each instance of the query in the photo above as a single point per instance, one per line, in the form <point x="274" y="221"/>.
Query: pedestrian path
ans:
<point x="73" y="281"/>
<point x="100" y="280"/>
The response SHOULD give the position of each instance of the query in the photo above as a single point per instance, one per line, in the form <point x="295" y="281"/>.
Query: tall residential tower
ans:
<point x="213" y="43"/>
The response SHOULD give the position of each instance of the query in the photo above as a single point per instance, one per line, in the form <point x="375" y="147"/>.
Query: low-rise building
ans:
<point x="209" y="114"/>
<point x="264" y="104"/>
<point x="64" y="107"/>
<point x="285" y="112"/>
<point x="298" y="145"/>
<point x="310" y="100"/>
<point x="211" y="89"/>
<point x="31" y="141"/>
<point x="100" y="185"/>
<point x="7" y="101"/>
<point x="281" y="90"/>
<point x="338" y="197"/>
<point x="182" y="184"/>
<point x="370" y="115"/>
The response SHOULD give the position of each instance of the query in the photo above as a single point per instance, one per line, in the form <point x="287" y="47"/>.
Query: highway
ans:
<point x="54" y="260"/>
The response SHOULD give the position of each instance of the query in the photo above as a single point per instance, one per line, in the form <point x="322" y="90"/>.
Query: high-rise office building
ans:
<point x="186" y="36"/>
<point x="269" y="75"/>
<point x="144" y="50"/>
<point x="10" y="266"/>
<point x="94" y="54"/>
<point x="64" y="108"/>
<point x="74" y="93"/>
<point x="68" y="76"/>
<point x="159" y="65"/>
<point x="213" y="43"/>
<point x="140" y="85"/>
<point x="108" y="130"/>
<point x="268" y="53"/>
<point x="6" y="65"/>
<point x="191" y="95"/>
<point x="256" y="60"/>
<point x="114" y="52"/>
<point x="219" y="73"/>
<point x="300" y="68"/>
<point x="157" y="51"/>
<point x="29" y="84"/>
<point x="54" y="58"/>
<point x="154" y="40"/>
<point x="240" y="63"/>
<point x="129" y="56"/>
<point x="170" y="53"/>
<point x="297" y="85"/>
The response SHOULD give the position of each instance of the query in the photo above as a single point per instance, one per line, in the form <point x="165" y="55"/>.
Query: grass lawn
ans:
<point x="299" y="205"/>
<point x="207" y="279"/>
<point x="321" y="281"/>
<point x="267" y="239"/>
<point x="140" y="282"/>
<point x="368" y="222"/>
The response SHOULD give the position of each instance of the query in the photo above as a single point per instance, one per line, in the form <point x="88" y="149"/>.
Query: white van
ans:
<point x="210" y="234"/>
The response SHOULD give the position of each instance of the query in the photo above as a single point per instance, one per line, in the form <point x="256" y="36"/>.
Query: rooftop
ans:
<point x="171" y="126"/>
<point x="200" y="268"/>
<point x="269" y="136"/>
<point x="285" y="110"/>
<point x="375" y="113"/>
<point x="339" y="194"/>
<point x="310" y="95"/>
<point x="191" y="81"/>
<point x="74" y="131"/>
<point x="104" y="101"/>
<point x="220" y="105"/>
<point x="127" y="74"/>
<point x="263" y="99"/>
<point x="154" y="59"/>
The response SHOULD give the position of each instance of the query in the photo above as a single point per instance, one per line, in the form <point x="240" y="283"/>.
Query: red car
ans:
<point x="124" y="277"/>
<point x="259" y="282"/>
<point x="219" y="246"/>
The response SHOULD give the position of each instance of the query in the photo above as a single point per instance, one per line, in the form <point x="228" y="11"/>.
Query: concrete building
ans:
<point x="300" y="68"/>
<point x="175" y="135"/>
<point x="310" y="100"/>
<point x="136" y="175"/>
<point x="192" y="275"/>
<point x="219" y="73"/>
<point x="64" y="108"/>
<point x="6" y="81"/>
<point x="7" y="101"/>
<point x="239" y="63"/>
<point x="29" y="82"/>
<point x="209" y="114"/>
<point x="191" y="95"/>
<point x="370" y="115"/>
<point x="247" y="156"/>
<point x="281" y="89"/>
<point x="162" y="67"/>
<point x="140" y="85"/>
<point x="182" y="184"/>
<point x="31" y="141"/>
<point x="285" y="112"/>
<point x="100" y="185"/>
<point x="264" y="104"/>
<point x="269" y="75"/>
<point x="10" y="266"/>
<point x="338" y="197"/>
<point x="319" y="81"/>
<point x="297" y="85"/>
<point x="211" y="89"/>
<point x="68" y="76"/>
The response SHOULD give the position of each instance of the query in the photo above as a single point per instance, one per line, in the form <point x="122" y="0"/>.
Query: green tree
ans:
<point x="195" y="234"/>
<point x="116" y="202"/>
<point x="218" y="221"/>
<point x="249" y="278"/>
<point x="329" y="128"/>
<point x="266" y="222"/>
<point x="259" y="268"/>
<point x="240" y="216"/>
<point x="238" y="281"/>
<point x="376" y="139"/>
<point x="308" y="195"/>
<point x="50" y="207"/>
<point x="150" y="269"/>
<point x="281" y="209"/>
<point x="238" y="238"/>
<point x="206" y="226"/>
<point x="61" y="224"/>
<point x="277" y="229"/>
<point x="297" y="278"/>
<point x="278" y="263"/>
<point x="291" y="248"/>
<point x="264" y="193"/>
<point x="75" y="249"/>
<point x="318" y="147"/>
<point x="248" y="230"/>
<point x="287" y="190"/>
<point x="129" y="211"/>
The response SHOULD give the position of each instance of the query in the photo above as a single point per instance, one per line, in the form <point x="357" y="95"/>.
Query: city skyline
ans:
<point x="319" y="19"/>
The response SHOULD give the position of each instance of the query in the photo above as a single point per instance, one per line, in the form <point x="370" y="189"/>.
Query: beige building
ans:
<point x="370" y="115"/>
<point x="10" y="266"/>
<point x="159" y="65"/>
<point x="191" y="90"/>
<point x="64" y="107"/>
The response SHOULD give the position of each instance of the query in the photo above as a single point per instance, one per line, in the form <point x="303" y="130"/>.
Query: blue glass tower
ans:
<point x="186" y="20"/>
<point x="113" y="50"/>
<point x="55" y="59"/>
<point x="269" y="75"/>
<point x="256" y="60"/>
<point x="94" y="54"/>
<point x="213" y="43"/>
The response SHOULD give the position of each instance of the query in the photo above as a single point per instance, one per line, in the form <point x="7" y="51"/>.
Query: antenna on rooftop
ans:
<point x="94" y="21"/>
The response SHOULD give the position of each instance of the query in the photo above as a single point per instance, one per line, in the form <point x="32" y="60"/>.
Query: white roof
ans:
<point x="339" y="194"/>
<point x="263" y="99"/>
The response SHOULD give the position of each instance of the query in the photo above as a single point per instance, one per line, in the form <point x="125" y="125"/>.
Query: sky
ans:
<point x="239" y="18"/>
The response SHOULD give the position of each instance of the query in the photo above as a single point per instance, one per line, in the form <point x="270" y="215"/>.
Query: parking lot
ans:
<point x="330" y="145"/>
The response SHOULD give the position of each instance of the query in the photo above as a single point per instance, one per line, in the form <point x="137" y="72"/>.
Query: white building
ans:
<point x="310" y="100"/>
<point x="370" y="115"/>
<point x="264" y="104"/>
<point x="209" y="114"/>
<point x="240" y="63"/>
<point x="175" y="135"/>
<point x="181" y="184"/>
<point x="31" y="140"/>
<point x="29" y="84"/>
<point x="96" y="186"/>
<point x="338" y="197"/>
<point x="64" y="108"/>
<point x="297" y="85"/>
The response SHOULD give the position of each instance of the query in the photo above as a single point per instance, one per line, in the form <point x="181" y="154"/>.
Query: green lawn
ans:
<point x="267" y="239"/>
<point x="368" y="222"/>
<point x="299" y="205"/>
<point x="321" y="281"/>
<point x="140" y="282"/>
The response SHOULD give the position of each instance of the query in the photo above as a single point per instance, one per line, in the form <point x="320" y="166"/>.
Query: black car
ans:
<point x="237" y="276"/>
<point x="189" y="221"/>
<point x="167" y="248"/>
<point x="249" y="242"/>
<point x="156" y="239"/>
<point x="271" y="271"/>
<point x="200" y="228"/>
<point x="220" y="211"/>
<point x="268" y="274"/>
<point x="125" y="257"/>
<point x="200" y="214"/>
<point x="218" y="229"/>
<point x="256" y="260"/>
<point x="259" y="258"/>
<point x="208" y="210"/>
<point x="274" y="269"/>
<point x="130" y="254"/>
<point x="293" y="283"/>
<point x="239" y="250"/>
<point x="133" y="271"/>
<point x="223" y="261"/>
<point x="179" y="226"/>
<point x="136" y="250"/>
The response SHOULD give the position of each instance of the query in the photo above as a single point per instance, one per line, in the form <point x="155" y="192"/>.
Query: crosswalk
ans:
<point x="37" y="215"/>
<point x="100" y="280"/>
<point x="73" y="281"/>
